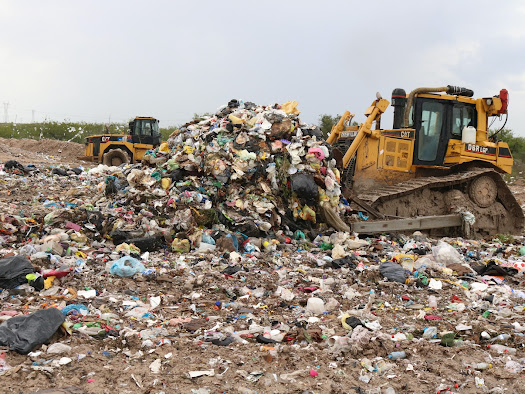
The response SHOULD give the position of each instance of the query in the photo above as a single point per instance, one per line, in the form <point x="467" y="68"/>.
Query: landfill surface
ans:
<point x="220" y="264"/>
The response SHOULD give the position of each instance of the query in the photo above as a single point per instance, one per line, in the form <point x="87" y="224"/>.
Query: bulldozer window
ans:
<point x="462" y="116"/>
<point x="146" y="127"/>
<point x="430" y="131"/>
<point x="155" y="128"/>
<point x="137" y="129"/>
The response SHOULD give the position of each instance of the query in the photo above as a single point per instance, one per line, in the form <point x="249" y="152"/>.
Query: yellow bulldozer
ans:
<point x="437" y="168"/>
<point x="116" y="149"/>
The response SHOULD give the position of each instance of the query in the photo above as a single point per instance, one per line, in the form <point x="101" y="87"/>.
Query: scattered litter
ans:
<point x="224" y="253"/>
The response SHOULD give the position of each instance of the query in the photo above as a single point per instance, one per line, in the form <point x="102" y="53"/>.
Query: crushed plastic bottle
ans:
<point x="432" y="302"/>
<point x="501" y="349"/>
<point x="501" y="337"/>
<point x="397" y="355"/>
<point x="479" y="366"/>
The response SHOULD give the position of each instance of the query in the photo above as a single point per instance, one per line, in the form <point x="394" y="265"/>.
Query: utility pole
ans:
<point x="6" y="112"/>
<point x="32" y="116"/>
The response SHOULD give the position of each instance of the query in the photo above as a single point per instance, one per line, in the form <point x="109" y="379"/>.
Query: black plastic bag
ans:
<point x="393" y="272"/>
<point x="313" y="131"/>
<point x="353" y="321"/>
<point x="23" y="333"/>
<point x="492" y="268"/>
<point x="305" y="187"/>
<point x="147" y="244"/>
<point x="177" y="175"/>
<point x="59" y="171"/>
<point x="13" y="165"/>
<point x="345" y="261"/>
<point x="13" y="271"/>
<point x="111" y="188"/>
<point x="233" y="103"/>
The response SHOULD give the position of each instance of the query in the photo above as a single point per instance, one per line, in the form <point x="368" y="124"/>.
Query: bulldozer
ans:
<point x="436" y="169"/>
<point x="116" y="149"/>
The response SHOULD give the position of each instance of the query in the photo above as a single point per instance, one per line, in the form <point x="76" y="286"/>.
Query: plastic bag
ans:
<point x="79" y="308"/>
<point x="338" y="252"/>
<point x="23" y="333"/>
<point x="164" y="147"/>
<point x="127" y="267"/>
<point x="13" y="271"/>
<point x="148" y="244"/>
<point x="206" y="238"/>
<point x="165" y="183"/>
<point x="393" y="272"/>
<point x="305" y="187"/>
<point x="180" y="245"/>
<point x="446" y="254"/>
<point x="290" y="107"/>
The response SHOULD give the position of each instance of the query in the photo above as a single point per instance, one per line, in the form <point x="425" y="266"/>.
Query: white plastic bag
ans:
<point x="446" y="254"/>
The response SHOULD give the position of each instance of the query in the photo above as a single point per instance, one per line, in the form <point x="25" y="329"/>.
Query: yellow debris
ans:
<point x="290" y="107"/>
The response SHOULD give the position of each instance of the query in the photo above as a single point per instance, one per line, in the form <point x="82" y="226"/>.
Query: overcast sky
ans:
<point x="100" y="60"/>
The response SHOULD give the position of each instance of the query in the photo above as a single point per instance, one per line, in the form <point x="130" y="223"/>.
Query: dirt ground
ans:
<point x="518" y="189"/>
<point x="191" y="287"/>
<point x="43" y="151"/>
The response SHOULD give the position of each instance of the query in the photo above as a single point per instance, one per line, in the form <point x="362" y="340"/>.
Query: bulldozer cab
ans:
<point x="436" y="121"/>
<point x="145" y="130"/>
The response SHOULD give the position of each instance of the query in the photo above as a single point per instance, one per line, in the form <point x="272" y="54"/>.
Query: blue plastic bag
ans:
<point x="206" y="238"/>
<point x="74" y="307"/>
<point x="234" y="240"/>
<point x="127" y="267"/>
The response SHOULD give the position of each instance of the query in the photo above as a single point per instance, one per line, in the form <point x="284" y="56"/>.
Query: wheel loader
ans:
<point x="436" y="169"/>
<point x="116" y="149"/>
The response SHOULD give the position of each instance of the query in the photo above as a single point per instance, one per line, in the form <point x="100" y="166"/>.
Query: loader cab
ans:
<point x="436" y="122"/>
<point x="145" y="130"/>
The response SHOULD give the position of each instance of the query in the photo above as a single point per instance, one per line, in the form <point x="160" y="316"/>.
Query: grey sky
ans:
<point x="169" y="59"/>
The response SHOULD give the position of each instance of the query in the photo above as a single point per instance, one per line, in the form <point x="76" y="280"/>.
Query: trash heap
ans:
<point x="214" y="266"/>
<point x="255" y="171"/>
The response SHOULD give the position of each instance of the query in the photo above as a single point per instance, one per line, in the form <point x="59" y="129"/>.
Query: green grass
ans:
<point x="65" y="131"/>
<point x="505" y="238"/>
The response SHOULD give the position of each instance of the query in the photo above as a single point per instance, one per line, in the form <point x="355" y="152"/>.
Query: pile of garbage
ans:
<point x="218" y="264"/>
<point x="255" y="171"/>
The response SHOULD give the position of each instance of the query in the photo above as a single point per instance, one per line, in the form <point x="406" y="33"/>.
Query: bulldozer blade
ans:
<point x="417" y="223"/>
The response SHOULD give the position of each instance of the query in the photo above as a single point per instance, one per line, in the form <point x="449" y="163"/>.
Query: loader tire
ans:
<point x="115" y="157"/>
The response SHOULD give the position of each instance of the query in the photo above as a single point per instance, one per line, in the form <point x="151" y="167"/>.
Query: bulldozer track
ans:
<point x="447" y="182"/>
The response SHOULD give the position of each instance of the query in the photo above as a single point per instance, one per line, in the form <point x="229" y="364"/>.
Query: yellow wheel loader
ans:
<point x="116" y="149"/>
<point x="436" y="169"/>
